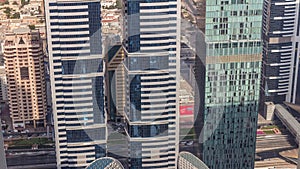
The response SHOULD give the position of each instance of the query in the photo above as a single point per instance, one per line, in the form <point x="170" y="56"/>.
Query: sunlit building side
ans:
<point x="26" y="88"/>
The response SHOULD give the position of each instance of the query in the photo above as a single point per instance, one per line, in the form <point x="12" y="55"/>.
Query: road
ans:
<point x="275" y="150"/>
<point x="32" y="160"/>
<point x="272" y="142"/>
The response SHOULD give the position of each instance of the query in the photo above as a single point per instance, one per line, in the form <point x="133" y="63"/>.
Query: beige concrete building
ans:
<point x="23" y="53"/>
<point x="115" y="82"/>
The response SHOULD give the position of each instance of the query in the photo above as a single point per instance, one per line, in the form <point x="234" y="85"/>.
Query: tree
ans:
<point x="111" y="7"/>
<point x="24" y="2"/>
<point x="7" y="12"/>
<point x="16" y="15"/>
<point x="31" y="27"/>
<point x="118" y="4"/>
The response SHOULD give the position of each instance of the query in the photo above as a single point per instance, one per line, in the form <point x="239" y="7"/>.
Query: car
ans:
<point x="189" y="143"/>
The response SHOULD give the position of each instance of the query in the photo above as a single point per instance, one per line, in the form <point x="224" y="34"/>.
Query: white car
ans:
<point x="189" y="143"/>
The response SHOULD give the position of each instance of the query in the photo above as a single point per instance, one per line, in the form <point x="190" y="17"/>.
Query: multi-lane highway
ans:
<point x="275" y="150"/>
<point x="273" y="142"/>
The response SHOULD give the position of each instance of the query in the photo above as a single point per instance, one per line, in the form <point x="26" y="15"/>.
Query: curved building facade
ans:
<point x="187" y="160"/>
<point x="105" y="163"/>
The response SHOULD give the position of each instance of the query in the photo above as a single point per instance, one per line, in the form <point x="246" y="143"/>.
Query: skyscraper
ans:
<point x="151" y="39"/>
<point x="77" y="83"/>
<point x="24" y="64"/>
<point x="280" y="35"/>
<point x="228" y="69"/>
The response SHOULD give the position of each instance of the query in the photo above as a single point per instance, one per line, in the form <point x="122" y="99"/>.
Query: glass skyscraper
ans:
<point x="151" y="40"/>
<point x="76" y="71"/>
<point x="228" y="69"/>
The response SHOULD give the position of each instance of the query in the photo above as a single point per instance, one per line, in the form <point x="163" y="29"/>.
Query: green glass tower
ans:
<point x="228" y="70"/>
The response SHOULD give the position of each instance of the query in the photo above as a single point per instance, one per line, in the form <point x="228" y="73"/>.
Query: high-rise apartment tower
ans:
<point x="77" y="81"/>
<point x="151" y="36"/>
<point x="24" y="64"/>
<point x="280" y="35"/>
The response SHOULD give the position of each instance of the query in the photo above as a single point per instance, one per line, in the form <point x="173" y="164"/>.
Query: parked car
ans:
<point x="189" y="143"/>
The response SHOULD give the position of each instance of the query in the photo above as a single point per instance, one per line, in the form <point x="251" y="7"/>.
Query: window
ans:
<point x="24" y="73"/>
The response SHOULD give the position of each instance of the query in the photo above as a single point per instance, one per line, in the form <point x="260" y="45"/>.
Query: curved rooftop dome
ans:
<point x="187" y="160"/>
<point x="105" y="163"/>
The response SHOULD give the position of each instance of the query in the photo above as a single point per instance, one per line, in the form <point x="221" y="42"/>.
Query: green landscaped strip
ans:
<point x="269" y="127"/>
<point x="25" y="142"/>
<point x="187" y="131"/>
<point x="187" y="137"/>
<point x="269" y="131"/>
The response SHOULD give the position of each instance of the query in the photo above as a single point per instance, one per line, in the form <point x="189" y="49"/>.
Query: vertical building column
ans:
<point x="298" y="160"/>
<point x="2" y="153"/>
